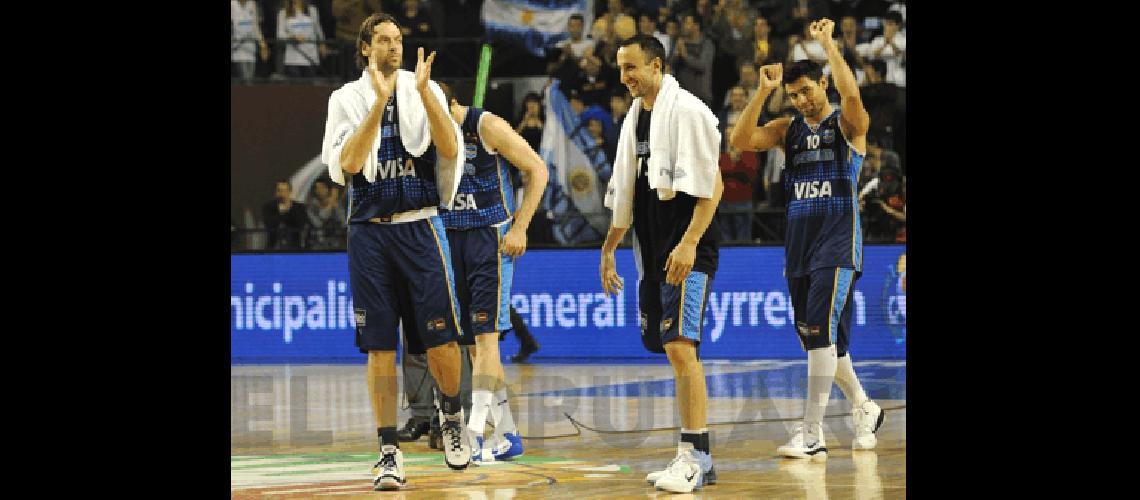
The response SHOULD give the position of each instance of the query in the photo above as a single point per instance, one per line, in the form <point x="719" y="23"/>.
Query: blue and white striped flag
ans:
<point x="579" y="172"/>
<point x="534" y="24"/>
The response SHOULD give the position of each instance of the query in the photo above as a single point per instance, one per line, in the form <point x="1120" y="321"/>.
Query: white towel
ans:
<point x="684" y="144"/>
<point x="349" y="105"/>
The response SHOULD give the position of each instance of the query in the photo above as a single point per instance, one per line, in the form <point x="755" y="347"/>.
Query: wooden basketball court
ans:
<point x="590" y="431"/>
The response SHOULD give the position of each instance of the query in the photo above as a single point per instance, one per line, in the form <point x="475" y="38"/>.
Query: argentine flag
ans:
<point x="580" y="172"/>
<point x="534" y="24"/>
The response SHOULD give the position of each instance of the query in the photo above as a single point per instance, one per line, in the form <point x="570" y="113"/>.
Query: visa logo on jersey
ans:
<point x="813" y="189"/>
<point x="465" y="201"/>
<point x="392" y="169"/>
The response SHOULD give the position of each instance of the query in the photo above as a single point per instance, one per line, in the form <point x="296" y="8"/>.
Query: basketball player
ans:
<point x="676" y="251"/>
<point x="395" y="233"/>
<point x="487" y="232"/>
<point x="824" y="148"/>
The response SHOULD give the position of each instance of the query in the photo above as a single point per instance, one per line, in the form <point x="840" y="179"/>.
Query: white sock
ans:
<point x="480" y="406"/>
<point x="501" y="413"/>
<point x="821" y="374"/>
<point x="848" y="382"/>
<point x="496" y="413"/>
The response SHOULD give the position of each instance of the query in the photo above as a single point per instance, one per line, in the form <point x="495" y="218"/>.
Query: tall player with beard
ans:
<point x="390" y="133"/>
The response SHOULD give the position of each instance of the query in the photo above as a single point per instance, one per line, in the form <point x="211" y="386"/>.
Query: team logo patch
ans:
<point x="359" y="315"/>
<point x="806" y="330"/>
<point x="642" y="148"/>
<point x="666" y="323"/>
<point x="436" y="324"/>
<point x="827" y="136"/>
<point x="471" y="150"/>
<point x="479" y="317"/>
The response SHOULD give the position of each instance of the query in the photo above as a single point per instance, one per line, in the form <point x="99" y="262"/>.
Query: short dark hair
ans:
<point x="894" y="16"/>
<point x="537" y="99"/>
<point x="365" y="35"/>
<point x="285" y="182"/>
<point x="650" y="45"/>
<point x="578" y="17"/>
<point x="806" y="67"/>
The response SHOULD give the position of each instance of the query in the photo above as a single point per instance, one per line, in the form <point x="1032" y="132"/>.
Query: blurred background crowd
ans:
<point x="714" y="48"/>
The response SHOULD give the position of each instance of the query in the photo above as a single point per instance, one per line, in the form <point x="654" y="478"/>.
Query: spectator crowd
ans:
<point x="714" y="48"/>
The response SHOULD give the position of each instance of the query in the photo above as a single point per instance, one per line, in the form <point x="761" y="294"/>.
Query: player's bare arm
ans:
<point x="357" y="147"/>
<point x="499" y="135"/>
<point x="681" y="259"/>
<point x="607" y="270"/>
<point x="442" y="135"/>
<point x="746" y="136"/>
<point x="853" y="117"/>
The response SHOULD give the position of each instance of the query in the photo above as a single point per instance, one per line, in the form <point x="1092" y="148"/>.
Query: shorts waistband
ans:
<point x="409" y="216"/>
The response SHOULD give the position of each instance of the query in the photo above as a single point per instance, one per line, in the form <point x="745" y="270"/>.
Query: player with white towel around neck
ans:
<point x="666" y="185"/>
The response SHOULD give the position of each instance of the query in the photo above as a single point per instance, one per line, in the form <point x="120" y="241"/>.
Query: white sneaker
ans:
<point x="707" y="468"/>
<point x="389" y="470"/>
<point x="456" y="452"/>
<point x="814" y="447"/>
<point x="684" y="473"/>
<point x="652" y="477"/>
<point x="868" y="418"/>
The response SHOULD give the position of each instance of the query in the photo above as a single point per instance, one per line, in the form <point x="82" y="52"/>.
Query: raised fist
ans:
<point x="821" y="30"/>
<point x="770" y="76"/>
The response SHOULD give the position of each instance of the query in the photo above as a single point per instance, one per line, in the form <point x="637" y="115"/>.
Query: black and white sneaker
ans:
<point x="456" y="451"/>
<point x="389" y="470"/>
<point x="684" y="473"/>
<point x="868" y="418"/>
<point x="805" y="444"/>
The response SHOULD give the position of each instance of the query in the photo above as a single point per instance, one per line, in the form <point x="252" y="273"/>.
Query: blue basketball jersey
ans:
<point x="821" y="175"/>
<point x="486" y="194"/>
<point x="403" y="182"/>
